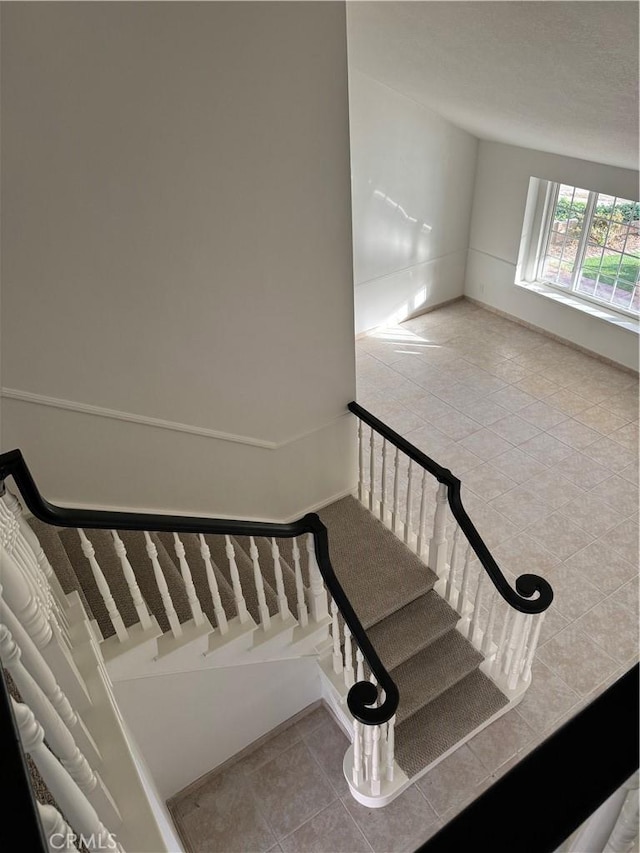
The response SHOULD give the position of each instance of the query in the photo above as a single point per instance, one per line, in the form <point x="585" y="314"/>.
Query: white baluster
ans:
<point x="241" y="607"/>
<point x="52" y="650"/>
<point x="185" y="571"/>
<point x="15" y="507"/>
<point x="317" y="594"/>
<point x="474" y="625"/>
<point x="438" y="542"/>
<point x="221" y="616"/>
<point x="517" y="661"/>
<point x="372" y="468"/>
<point x="335" y="636"/>
<point x="423" y="514"/>
<point x="407" y="518"/>
<point x="348" y="658"/>
<point x="20" y="598"/>
<point x="165" y="595"/>
<point x="359" y="665"/>
<point x="625" y="831"/>
<point x="103" y="587"/>
<point x="132" y="583"/>
<point x="487" y="640"/>
<point x="33" y="661"/>
<point x="72" y="801"/>
<point x="502" y="645"/>
<point x="357" y="753"/>
<point x="451" y="577"/>
<point x="383" y="498"/>
<point x="58" y="735"/>
<point x="15" y="545"/>
<point x="464" y="586"/>
<point x="532" y="646"/>
<point x="396" y="490"/>
<point x="265" y="618"/>
<point x="391" y="739"/>
<point x="366" y="753"/>
<point x="57" y="832"/>
<point x="375" y="761"/>
<point x="360" y="462"/>
<point x="303" y="615"/>
<point x="283" y="605"/>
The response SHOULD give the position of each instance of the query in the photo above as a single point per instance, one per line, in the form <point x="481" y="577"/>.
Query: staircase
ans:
<point x="419" y="639"/>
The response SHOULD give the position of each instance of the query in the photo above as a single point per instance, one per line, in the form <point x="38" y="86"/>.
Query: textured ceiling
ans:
<point x="553" y="76"/>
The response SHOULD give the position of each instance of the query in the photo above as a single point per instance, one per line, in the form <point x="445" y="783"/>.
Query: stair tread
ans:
<point x="441" y="724"/>
<point x="431" y="671"/>
<point x="111" y="568"/>
<point x="366" y="557"/>
<point x="411" y="629"/>
<point x="198" y="571"/>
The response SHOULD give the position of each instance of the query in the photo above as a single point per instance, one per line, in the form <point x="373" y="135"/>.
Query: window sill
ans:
<point x="590" y="308"/>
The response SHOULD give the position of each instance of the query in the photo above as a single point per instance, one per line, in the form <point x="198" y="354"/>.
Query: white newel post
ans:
<point x="375" y="761"/>
<point x="103" y="587"/>
<point x="265" y="617"/>
<point x="532" y="645"/>
<point x="169" y="609"/>
<point x="75" y="805"/>
<point x="357" y="753"/>
<point x="391" y="734"/>
<point x="185" y="571"/>
<point x="132" y="583"/>
<point x="241" y="606"/>
<point x="318" y="605"/>
<point x="303" y="615"/>
<point x="438" y="542"/>
<point x="57" y="832"/>
<point x="283" y="605"/>
<point x="218" y="609"/>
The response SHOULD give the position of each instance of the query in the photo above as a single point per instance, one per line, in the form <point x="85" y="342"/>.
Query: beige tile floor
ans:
<point x="545" y="441"/>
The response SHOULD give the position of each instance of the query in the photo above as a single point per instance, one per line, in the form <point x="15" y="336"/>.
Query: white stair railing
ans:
<point x="185" y="571"/>
<point x="81" y="814"/>
<point x="218" y="609"/>
<point x="165" y="595"/>
<point x="57" y="832"/>
<point x="303" y="613"/>
<point x="103" y="587"/>
<point x="132" y="583"/>
<point x="241" y="606"/>
<point x="283" y="606"/>
<point x="265" y="617"/>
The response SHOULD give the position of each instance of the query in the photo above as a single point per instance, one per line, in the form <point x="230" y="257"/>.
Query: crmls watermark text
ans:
<point x="95" y="841"/>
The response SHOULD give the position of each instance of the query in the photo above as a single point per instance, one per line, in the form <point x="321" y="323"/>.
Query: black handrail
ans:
<point x="361" y="695"/>
<point x="541" y="801"/>
<point x="526" y="585"/>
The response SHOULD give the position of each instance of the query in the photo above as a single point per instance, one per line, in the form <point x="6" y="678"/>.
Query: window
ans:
<point x="589" y="245"/>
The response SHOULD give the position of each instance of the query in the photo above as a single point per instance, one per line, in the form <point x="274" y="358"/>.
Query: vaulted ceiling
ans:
<point x="553" y="76"/>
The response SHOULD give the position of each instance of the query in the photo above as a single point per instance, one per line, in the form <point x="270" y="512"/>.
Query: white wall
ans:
<point x="412" y="177"/>
<point x="176" y="241"/>
<point x="502" y="182"/>
<point x="188" y="723"/>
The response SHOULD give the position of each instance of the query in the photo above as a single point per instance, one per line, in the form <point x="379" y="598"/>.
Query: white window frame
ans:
<point x="541" y="204"/>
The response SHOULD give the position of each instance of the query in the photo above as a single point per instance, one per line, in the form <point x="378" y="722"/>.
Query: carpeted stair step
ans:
<point x="379" y="573"/>
<point x="432" y="671"/>
<point x="216" y="544"/>
<point x="412" y="628"/>
<point x="109" y="563"/>
<point x="441" y="724"/>
<point x="198" y="571"/>
<point x="54" y="550"/>
<point x="268" y="570"/>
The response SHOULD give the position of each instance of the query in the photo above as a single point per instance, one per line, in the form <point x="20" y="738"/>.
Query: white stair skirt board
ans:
<point x="140" y="647"/>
